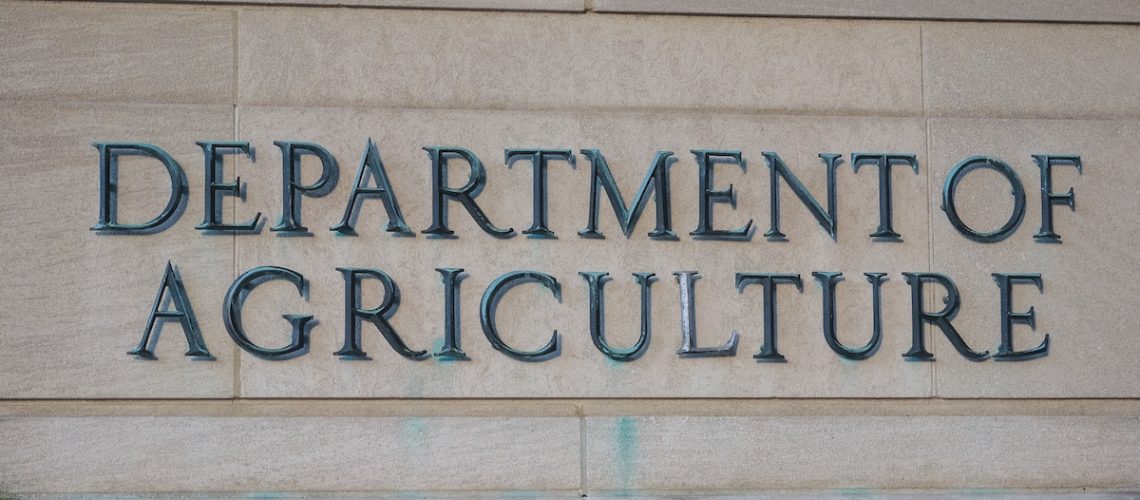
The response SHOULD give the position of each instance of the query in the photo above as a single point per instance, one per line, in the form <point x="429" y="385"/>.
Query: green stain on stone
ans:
<point x="627" y="441"/>
<point x="437" y="346"/>
<point x="415" y="433"/>
<point x="610" y="362"/>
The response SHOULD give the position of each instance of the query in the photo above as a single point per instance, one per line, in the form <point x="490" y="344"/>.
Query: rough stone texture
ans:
<point x="1085" y="307"/>
<point x="75" y="302"/>
<point x="1105" y="11"/>
<point x="80" y="417"/>
<point x="529" y="313"/>
<point x="505" y="60"/>
<point x="926" y="495"/>
<point x="142" y="454"/>
<point x="121" y="53"/>
<point x="527" y="5"/>
<point x="856" y="454"/>
<point x="1031" y="70"/>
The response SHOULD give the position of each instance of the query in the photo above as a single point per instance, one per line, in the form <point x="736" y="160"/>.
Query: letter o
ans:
<point x="951" y="187"/>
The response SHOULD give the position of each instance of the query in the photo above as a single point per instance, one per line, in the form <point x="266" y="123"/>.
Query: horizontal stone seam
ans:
<point x="688" y="112"/>
<point x="9" y="100"/>
<point x="725" y="408"/>
<point x="555" y="399"/>
<point x="589" y="8"/>
<point x="1089" y="492"/>
<point x="239" y="4"/>
<point x="293" y="494"/>
<point x="1072" y="493"/>
<point x="857" y="17"/>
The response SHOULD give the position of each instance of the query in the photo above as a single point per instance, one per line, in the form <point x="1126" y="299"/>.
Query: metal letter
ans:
<point x="292" y="189"/>
<point x="181" y="311"/>
<point x="827" y="282"/>
<point x="689" y="349"/>
<point x="768" y="352"/>
<point x="539" y="158"/>
<point x="778" y="169"/>
<point x="1009" y="318"/>
<point x="371" y="165"/>
<point x="1049" y="198"/>
<point x="378" y="316"/>
<point x="490" y="303"/>
<point x="941" y="319"/>
<point x="656" y="181"/>
<point x="706" y="196"/>
<point x="951" y="187"/>
<point x="109" y="153"/>
<point x="464" y="195"/>
<point x="596" y="281"/>
<point x="451" y="278"/>
<point x="884" y="161"/>
<point x="217" y="190"/>
<point x="235" y="298"/>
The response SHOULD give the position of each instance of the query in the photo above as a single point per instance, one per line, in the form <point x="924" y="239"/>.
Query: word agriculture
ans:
<point x="655" y="183"/>
<point x="172" y="291"/>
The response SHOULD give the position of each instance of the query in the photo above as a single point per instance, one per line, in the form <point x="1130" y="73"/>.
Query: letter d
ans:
<point x="109" y="153"/>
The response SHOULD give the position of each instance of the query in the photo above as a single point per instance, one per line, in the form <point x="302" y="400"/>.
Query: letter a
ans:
<point x="172" y="285"/>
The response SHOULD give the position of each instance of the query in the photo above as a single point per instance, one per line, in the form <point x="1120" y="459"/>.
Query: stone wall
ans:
<point x="943" y="81"/>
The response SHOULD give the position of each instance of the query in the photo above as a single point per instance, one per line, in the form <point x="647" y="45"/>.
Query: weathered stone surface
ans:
<point x="116" y="52"/>
<point x="1016" y="70"/>
<point x="526" y="5"/>
<point x="79" y="417"/>
<point x="75" y="302"/>
<point x="926" y="495"/>
<point x="1109" y="11"/>
<point x="144" y="454"/>
<point x="509" y="61"/>
<point x="748" y="454"/>
<point x="530" y="313"/>
<point x="1086" y="307"/>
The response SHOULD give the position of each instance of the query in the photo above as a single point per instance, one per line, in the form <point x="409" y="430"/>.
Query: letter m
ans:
<point x="656" y="180"/>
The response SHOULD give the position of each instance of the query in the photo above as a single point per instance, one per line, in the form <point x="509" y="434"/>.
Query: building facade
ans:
<point x="569" y="248"/>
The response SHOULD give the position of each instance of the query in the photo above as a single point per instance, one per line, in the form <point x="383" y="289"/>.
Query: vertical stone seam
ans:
<point x="237" y="136"/>
<point x="929" y="196"/>
<point x="922" y="67"/>
<point x="930" y="260"/>
<point x="583" y="447"/>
